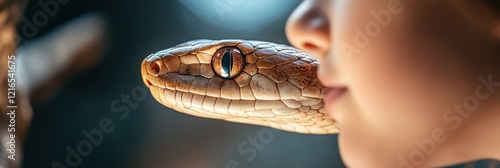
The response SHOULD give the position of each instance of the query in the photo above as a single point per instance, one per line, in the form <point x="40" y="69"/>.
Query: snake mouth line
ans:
<point x="182" y="99"/>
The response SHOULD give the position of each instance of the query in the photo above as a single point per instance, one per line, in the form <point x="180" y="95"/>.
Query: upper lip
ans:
<point x="328" y="79"/>
<point x="329" y="83"/>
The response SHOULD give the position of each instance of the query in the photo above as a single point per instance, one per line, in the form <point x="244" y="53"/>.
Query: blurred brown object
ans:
<point x="45" y="63"/>
<point x="41" y="67"/>
<point x="10" y="14"/>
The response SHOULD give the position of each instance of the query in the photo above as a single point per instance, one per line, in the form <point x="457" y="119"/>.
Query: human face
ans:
<point x="404" y="64"/>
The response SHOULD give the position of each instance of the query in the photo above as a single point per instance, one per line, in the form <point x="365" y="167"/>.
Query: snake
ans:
<point x="243" y="81"/>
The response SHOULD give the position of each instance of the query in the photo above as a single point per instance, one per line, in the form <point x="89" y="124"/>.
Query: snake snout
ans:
<point x="152" y="68"/>
<point x="144" y="73"/>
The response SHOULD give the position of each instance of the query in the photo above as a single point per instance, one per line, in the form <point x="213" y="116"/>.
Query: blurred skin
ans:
<point x="424" y="60"/>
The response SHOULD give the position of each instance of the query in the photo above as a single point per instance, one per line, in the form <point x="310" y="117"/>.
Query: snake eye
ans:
<point x="228" y="62"/>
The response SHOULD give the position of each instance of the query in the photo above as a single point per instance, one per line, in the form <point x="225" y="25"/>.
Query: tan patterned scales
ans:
<point x="251" y="82"/>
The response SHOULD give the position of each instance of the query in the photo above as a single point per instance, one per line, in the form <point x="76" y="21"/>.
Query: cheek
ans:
<point x="401" y="76"/>
<point x="390" y="79"/>
<point x="400" y="86"/>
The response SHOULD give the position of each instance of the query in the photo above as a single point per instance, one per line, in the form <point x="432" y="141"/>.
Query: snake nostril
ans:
<point x="156" y="67"/>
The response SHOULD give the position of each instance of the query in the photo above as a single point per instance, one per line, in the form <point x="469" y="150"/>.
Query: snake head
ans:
<point x="251" y="82"/>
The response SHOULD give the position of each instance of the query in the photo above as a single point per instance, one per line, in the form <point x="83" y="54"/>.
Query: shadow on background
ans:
<point x="111" y="100"/>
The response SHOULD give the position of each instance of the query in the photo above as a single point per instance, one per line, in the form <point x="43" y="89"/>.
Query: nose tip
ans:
<point x="308" y="28"/>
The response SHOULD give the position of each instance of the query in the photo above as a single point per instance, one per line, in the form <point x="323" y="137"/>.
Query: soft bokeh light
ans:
<point x="246" y="16"/>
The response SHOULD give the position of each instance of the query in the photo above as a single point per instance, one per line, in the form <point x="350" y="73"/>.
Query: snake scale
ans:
<point x="244" y="81"/>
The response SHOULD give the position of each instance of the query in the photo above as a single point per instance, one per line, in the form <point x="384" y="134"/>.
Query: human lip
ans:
<point x="332" y="95"/>
<point x="334" y="90"/>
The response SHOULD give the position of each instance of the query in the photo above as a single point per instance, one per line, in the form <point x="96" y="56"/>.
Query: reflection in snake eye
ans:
<point x="228" y="62"/>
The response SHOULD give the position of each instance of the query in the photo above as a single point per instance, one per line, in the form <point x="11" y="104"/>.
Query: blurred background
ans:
<point x="108" y="96"/>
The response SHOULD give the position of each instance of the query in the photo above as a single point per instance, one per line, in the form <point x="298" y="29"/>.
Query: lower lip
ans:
<point x="331" y="96"/>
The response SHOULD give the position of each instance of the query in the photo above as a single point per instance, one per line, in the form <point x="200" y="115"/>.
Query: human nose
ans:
<point x="308" y="28"/>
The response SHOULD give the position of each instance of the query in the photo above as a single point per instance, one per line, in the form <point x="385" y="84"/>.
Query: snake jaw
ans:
<point x="277" y="86"/>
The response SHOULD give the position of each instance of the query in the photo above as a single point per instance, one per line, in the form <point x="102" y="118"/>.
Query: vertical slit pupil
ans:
<point x="227" y="62"/>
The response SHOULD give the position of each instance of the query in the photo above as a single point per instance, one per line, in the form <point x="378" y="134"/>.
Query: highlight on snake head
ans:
<point x="242" y="81"/>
